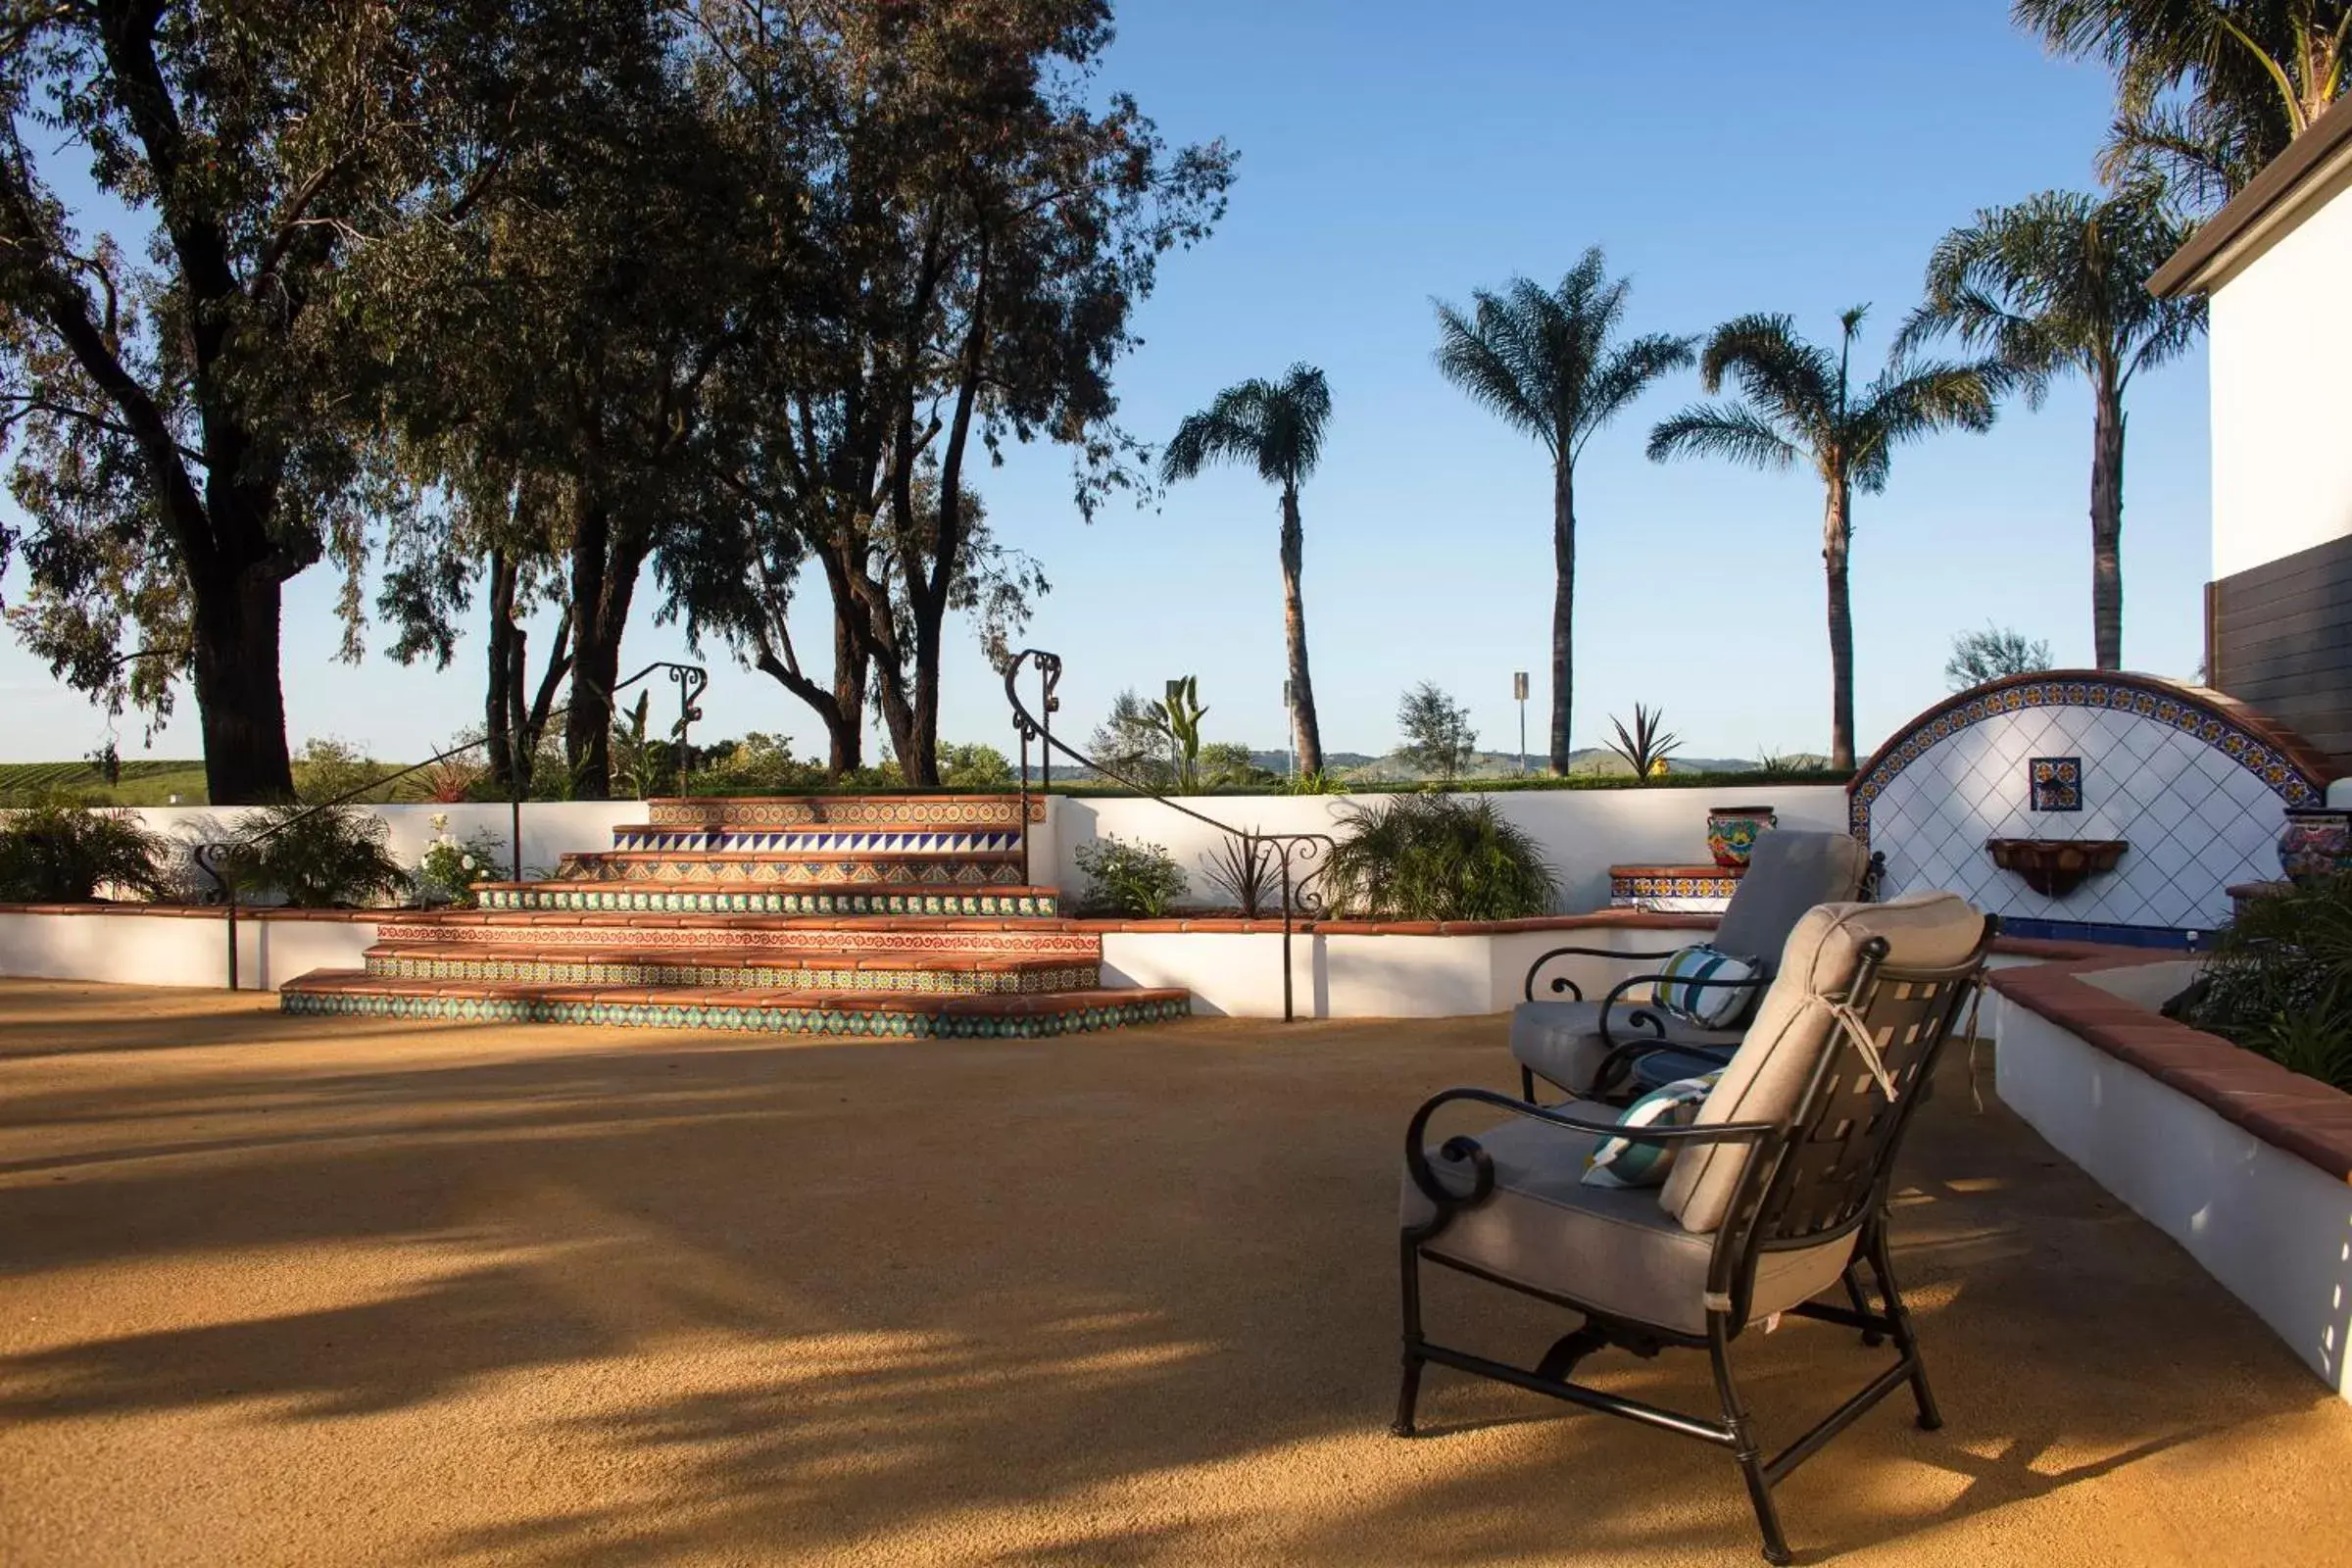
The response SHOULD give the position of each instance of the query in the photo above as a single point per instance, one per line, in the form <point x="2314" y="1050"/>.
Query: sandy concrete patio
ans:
<point x="279" y="1289"/>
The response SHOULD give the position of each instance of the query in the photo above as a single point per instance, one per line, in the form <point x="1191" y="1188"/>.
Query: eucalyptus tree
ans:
<point x="1799" y="403"/>
<point x="1276" y="427"/>
<point x="971" y="224"/>
<point x="2055" y="284"/>
<point x="178" y="367"/>
<point x="1550" y="363"/>
<point x="2207" y="91"/>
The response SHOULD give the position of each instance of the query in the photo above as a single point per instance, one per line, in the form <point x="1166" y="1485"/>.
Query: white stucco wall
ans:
<point x="2282" y="405"/>
<point x="1583" y="832"/>
<point x="550" y="828"/>
<point x="2269" y="1226"/>
<point x="157" y="949"/>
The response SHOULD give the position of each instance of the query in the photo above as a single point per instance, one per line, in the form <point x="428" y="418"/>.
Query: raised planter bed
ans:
<point x="2247" y="1166"/>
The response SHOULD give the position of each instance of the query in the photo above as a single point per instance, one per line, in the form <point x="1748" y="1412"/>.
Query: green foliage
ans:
<point x="142" y="782"/>
<point x="2206" y="92"/>
<point x="1647" y="745"/>
<point x="1438" y="737"/>
<point x="2279" y="980"/>
<point x="328" y="858"/>
<point x="1990" y="654"/>
<point x="1131" y="744"/>
<point x="1437" y="856"/>
<point x="1247" y="871"/>
<point x="1315" y="781"/>
<point x="329" y="769"/>
<point x="58" y="853"/>
<point x="450" y="871"/>
<point x="1178" y="719"/>
<point x="1231" y="765"/>
<point x="976" y="765"/>
<point x="1142" y="880"/>
<point x="1787" y="765"/>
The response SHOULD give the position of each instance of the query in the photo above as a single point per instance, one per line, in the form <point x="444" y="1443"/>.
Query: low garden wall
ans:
<point x="1582" y="832"/>
<point x="2245" y="1164"/>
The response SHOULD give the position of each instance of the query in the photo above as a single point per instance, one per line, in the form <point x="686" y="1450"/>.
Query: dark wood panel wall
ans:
<point x="2279" y="638"/>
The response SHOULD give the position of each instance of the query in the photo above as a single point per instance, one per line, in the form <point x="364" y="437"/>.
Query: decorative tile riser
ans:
<point x="888" y="814"/>
<point x="998" y="944"/>
<point x="686" y="871"/>
<point x="814" y="840"/>
<point x="920" y="981"/>
<point x="605" y="898"/>
<point x="747" y="1019"/>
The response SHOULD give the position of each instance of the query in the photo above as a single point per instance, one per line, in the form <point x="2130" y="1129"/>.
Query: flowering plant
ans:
<point x="451" y="870"/>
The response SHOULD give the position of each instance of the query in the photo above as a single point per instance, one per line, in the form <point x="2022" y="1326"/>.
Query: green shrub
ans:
<point x="977" y="766"/>
<point x="1434" y="857"/>
<point x="56" y="853"/>
<point x="1142" y="880"/>
<point x="329" y="859"/>
<point x="2279" y="980"/>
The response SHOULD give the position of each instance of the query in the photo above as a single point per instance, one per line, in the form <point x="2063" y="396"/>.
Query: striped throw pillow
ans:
<point x="1623" y="1162"/>
<point x="1714" y="1006"/>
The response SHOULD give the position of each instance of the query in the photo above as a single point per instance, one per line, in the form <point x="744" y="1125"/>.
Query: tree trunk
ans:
<point x="501" y="703"/>
<point x="1836" y="539"/>
<point x="2107" y="526"/>
<point x="241" y="705"/>
<point x="845" y="725"/>
<point x="1307" y="733"/>
<point x="603" y="580"/>
<point x="1563" y="607"/>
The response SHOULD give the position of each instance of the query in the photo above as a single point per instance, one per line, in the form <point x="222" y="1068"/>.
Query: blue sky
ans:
<point x="1729" y="157"/>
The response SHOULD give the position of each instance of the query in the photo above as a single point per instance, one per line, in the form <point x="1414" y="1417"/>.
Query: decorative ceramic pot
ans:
<point x="1731" y="831"/>
<point x="2316" y="842"/>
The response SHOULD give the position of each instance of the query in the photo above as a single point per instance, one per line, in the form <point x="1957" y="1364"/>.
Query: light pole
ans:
<point x="1519" y="690"/>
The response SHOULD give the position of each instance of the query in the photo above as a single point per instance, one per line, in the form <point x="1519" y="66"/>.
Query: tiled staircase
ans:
<point x="831" y="914"/>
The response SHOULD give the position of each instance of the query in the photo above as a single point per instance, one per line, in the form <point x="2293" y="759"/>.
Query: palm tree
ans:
<point x="2207" y="91"/>
<point x="2058" y="283"/>
<point x="1544" y="362"/>
<point x="1277" y="426"/>
<point x="1800" y="402"/>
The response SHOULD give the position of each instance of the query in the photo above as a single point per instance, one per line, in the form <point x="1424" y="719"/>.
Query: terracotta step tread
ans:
<point x="999" y="890"/>
<point x="663" y="920"/>
<point x="769" y="856"/>
<point x="722" y="958"/>
<point x="353" y="982"/>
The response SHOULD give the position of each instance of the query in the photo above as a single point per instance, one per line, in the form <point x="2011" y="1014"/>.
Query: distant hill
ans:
<point x="1393" y="768"/>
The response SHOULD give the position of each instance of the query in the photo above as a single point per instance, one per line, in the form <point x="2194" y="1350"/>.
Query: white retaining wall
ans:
<point x="2271" y="1228"/>
<point x="550" y="828"/>
<point x="1583" y="832"/>
<point x="160" y="949"/>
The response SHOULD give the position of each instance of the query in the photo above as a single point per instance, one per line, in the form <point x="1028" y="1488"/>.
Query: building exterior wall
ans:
<point x="2282" y="396"/>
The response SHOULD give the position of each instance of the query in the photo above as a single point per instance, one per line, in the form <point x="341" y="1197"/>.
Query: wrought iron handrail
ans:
<point x="690" y="679"/>
<point x="1300" y="895"/>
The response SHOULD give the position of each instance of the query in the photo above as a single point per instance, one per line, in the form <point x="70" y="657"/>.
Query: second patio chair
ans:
<point x="1588" y="1047"/>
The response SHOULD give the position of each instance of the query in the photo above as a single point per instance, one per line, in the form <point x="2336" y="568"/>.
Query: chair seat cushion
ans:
<point x="1614" y="1251"/>
<point x="1560" y="1041"/>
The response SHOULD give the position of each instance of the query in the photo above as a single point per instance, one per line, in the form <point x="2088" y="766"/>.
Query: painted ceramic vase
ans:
<point x="1731" y="832"/>
<point x="2316" y="842"/>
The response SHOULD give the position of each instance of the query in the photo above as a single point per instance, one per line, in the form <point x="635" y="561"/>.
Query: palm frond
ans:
<point x="1731" y="431"/>
<point x="1278" y="428"/>
<point x="1793" y="381"/>
<point x="1627" y="371"/>
<point x="1479" y="357"/>
<point x="1910" y="400"/>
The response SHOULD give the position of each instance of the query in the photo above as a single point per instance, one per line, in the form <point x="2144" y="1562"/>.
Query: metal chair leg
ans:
<point x="1408" y="1392"/>
<point x="1853" y="1294"/>
<point x="1930" y="1417"/>
<point x="1744" y="1446"/>
<point x="1527" y="1085"/>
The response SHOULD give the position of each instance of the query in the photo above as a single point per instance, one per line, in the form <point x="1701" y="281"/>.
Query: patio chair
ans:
<point x="1776" y="1194"/>
<point x="1588" y="1047"/>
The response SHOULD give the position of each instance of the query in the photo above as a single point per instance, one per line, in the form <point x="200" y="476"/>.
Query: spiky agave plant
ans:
<point x="1647" y="745"/>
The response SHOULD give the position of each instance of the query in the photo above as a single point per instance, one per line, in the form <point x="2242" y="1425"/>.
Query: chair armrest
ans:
<point x="1563" y="984"/>
<point x="1621" y="1053"/>
<point x="1462" y="1149"/>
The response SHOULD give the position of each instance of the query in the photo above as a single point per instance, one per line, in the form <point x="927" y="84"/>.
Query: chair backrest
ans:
<point x="1788" y="873"/>
<point x="1903" y="968"/>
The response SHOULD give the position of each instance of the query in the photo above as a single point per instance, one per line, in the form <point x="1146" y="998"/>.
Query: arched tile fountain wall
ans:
<point x="2195" y="783"/>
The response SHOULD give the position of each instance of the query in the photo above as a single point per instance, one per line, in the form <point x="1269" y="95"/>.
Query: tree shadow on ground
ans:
<point x="1122" y="1299"/>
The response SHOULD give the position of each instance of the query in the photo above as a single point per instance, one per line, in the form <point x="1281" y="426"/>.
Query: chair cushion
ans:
<point x="1775" y="1062"/>
<point x="1560" y="1041"/>
<point x="1710" y="1007"/>
<point x="1625" y="1162"/>
<point x="1613" y="1249"/>
<point x="1788" y="873"/>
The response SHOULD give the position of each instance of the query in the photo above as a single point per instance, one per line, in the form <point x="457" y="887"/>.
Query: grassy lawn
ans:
<point x="150" y="782"/>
